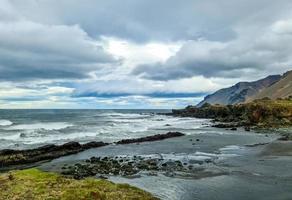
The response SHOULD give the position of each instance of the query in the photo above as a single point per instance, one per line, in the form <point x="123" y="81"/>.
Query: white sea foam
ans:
<point x="4" y="122"/>
<point x="46" y="126"/>
<point x="103" y="126"/>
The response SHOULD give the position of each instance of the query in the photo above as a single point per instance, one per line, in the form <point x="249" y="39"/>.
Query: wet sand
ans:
<point x="229" y="166"/>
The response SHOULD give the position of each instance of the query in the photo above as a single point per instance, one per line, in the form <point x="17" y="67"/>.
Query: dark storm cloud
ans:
<point x="59" y="39"/>
<point x="145" y="20"/>
<point x="30" y="50"/>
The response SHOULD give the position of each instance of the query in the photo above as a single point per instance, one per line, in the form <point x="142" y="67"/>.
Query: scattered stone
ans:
<point x="129" y="167"/>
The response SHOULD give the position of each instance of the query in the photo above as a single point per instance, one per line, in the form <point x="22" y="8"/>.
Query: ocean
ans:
<point x="22" y="129"/>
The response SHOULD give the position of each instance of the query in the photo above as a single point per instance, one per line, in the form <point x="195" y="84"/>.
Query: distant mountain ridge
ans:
<point x="241" y="92"/>
<point x="280" y="89"/>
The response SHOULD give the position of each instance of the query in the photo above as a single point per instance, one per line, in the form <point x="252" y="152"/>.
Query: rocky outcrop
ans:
<point x="151" y="138"/>
<point x="260" y="113"/>
<point x="10" y="157"/>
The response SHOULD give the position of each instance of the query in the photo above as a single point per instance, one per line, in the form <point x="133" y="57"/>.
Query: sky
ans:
<point x="110" y="54"/>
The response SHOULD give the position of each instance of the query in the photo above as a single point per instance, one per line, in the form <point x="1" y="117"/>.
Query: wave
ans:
<point x="5" y="122"/>
<point x="51" y="126"/>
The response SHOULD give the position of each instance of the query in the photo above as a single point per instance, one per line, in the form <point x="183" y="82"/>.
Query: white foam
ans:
<point x="46" y="126"/>
<point x="230" y="148"/>
<point x="4" y="122"/>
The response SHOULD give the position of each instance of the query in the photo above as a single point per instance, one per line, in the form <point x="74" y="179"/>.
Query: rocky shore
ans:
<point x="130" y="167"/>
<point x="262" y="113"/>
<point x="9" y="157"/>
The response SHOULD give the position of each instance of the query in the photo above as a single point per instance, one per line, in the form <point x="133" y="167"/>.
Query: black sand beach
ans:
<point x="225" y="165"/>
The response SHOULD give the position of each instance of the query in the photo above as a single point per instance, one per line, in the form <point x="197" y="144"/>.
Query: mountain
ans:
<point x="239" y="92"/>
<point x="280" y="89"/>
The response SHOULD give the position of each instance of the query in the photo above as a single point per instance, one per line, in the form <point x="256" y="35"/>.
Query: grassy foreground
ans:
<point x="33" y="184"/>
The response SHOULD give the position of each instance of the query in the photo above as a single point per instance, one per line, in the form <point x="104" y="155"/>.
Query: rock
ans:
<point x="46" y="152"/>
<point x="22" y="135"/>
<point x="102" y="177"/>
<point x="233" y="129"/>
<point x="247" y="128"/>
<point x="151" y="138"/>
<point x="90" y="145"/>
<point x="224" y="125"/>
<point x="284" y="138"/>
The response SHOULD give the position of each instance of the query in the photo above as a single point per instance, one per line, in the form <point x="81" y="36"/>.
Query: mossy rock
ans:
<point x="33" y="184"/>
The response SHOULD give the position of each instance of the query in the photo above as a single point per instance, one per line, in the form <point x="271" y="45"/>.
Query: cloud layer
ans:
<point x="31" y="50"/>
<point x="147" y="53"/>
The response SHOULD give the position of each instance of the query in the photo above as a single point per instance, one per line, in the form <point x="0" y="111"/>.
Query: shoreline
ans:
<point x="260" y="115"/>
<point x="209" y="164"/>
<point x="208" y="169"/>
<point x="9" y="157"/>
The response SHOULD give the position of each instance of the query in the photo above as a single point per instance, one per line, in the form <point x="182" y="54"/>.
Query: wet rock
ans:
<point x="22" y="135"/>
<point x="284" y="138"/>
<point x="247" y="128"/>
<point x="90" y="145"/>
<point x="151" y="138"/>
<point x="130" y="167"/>
<point x="48" y="152"/>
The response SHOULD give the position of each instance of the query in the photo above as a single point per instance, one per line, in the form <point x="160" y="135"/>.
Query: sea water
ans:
<point x="21" y="129"/>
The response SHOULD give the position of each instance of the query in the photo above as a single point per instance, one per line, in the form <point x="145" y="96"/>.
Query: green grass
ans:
<point x="33" y="184"/>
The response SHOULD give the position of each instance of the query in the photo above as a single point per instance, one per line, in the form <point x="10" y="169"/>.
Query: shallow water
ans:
<point x="236" y="171"/>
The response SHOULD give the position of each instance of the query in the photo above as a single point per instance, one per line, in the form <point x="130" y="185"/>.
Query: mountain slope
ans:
<point x="280" y="89"/>
<point x="239" y="92"/>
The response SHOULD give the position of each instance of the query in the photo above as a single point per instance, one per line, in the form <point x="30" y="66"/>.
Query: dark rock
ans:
<point x="151" y="138"/>
<point x="90" y="145"/>
<point x="48" y="152"/>
<point x="284" y="138"/>
<point x="247" y="128"/>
